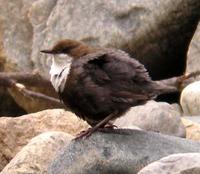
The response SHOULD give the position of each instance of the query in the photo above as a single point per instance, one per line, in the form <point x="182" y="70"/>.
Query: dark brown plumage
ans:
<point x="103" y="83"/>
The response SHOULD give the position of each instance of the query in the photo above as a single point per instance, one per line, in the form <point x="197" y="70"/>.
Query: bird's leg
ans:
<point x="89" y="131"/>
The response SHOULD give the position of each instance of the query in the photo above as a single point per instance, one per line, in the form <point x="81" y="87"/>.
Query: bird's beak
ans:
<point x="47" y="51"/>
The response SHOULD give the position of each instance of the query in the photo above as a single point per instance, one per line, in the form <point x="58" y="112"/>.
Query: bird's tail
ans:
<point x="174" y="84"/>
<point x="161" y="88"/>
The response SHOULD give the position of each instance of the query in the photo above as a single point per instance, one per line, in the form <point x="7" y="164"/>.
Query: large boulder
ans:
<point x="37" y="154"/>
<point x="15" y="133"/>
<point x="117" y="151"/>
<point x="154" y="116"/>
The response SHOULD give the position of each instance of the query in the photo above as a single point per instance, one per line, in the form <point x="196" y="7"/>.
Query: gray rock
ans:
<point x="36" y="156"/>
<point x="29" y="26"/>
<point x="16" y="32"/>
<point x="154" y="116"/>
<point x="185" y="163"/>
<point x="190" y="99"/>
<point x="117" y="152"/>
<point x="100" y="22"/>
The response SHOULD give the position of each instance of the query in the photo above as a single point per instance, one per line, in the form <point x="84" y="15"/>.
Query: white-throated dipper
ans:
<point x="100" y="84"/>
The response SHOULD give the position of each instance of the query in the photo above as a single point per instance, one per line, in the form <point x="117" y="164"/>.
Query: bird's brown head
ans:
<point x="70" y="47"/>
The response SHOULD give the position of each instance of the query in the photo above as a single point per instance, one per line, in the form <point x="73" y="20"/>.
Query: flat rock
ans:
<point x="117" y="151"/>
<point x="17" y="132"/>
<point x="190" y="99"/>
<point x="185" y="163"/>
<point x="154" y="116"/>
<point x="37" y="154"/>
<point x="192" y="129"/>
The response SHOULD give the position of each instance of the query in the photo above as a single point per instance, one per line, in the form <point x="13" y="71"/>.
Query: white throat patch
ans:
<point x="59" y="72"/>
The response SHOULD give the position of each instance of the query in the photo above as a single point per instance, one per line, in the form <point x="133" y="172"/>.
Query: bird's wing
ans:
<point x="114" y="69"/>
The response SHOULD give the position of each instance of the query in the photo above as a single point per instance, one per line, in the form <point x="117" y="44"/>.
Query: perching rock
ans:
<point x="154" y="116"/>
<point x="192" y="129"/>
<point x="37" y="154"/>
<point x="17" y="132"/>
<point x="117" y="151"/>
<point x="185" y="163"/>
<point x="190" y="99"/>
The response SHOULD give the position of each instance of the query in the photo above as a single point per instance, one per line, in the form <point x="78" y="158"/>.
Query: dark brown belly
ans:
<point x="92" y="105"/>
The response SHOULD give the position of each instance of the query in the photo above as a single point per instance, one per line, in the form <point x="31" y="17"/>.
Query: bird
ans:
<point x="99" y="84"/>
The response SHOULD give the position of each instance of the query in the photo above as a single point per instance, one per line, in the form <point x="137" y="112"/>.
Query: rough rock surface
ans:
<point x="185" y="163"/>
<point x="37" y="154"/>
<point x="16" y="34"/>
<point x="104" y="22"/>
<point x="118" y="151"/>
<point x="192" y="129"/>
<point x="154" y="116"/>
<point x="17" y="132"/>
<point x="190" y="99"/>
<point x="27" y="26"/>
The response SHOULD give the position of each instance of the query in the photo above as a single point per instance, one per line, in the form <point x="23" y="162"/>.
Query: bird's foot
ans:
<point x="85" y="133"/>
<point x="89" y="131"/>
<point x="105" y="121"/>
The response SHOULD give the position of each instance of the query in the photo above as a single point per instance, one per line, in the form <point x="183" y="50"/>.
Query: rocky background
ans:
<point x="157" y="137"/>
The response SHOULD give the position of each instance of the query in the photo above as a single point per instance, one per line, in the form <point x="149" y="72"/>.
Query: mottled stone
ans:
<point x="16" y="34"/>
<point x="117" y="151"/>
